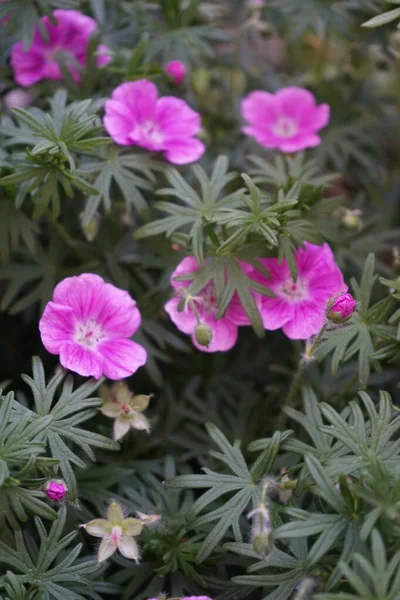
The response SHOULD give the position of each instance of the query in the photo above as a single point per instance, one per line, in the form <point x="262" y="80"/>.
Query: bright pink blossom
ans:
<point x="177" y="70"/>
<point x="224" y="330"/>
<point x="69" y="38"/>
<point x="56" y="489"/>
<point x="341" y="308"/>
<point x="135" y="116"/>
<point x="88" y="323"/>
<point x="288" y="120"/>
<point x="299" y="306"/>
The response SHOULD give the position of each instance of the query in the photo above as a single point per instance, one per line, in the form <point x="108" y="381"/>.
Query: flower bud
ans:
<point x="17" y="98"/>
<point x="203" y="334"/>
<point x="177" y="70"/>
<point x="56" y="489"/>
<point x="262" y="544"/>
<point x="340" y="308"/>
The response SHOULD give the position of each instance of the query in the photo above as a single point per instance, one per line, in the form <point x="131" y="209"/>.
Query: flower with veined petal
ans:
<point x="116" y="532"/>
<point x="125" y="408"/>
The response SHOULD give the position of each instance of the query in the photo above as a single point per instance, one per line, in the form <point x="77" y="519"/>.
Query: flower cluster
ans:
<point x="298" y="306"/>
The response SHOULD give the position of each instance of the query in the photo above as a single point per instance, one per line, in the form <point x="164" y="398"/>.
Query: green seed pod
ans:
<point x="203" y="334"/>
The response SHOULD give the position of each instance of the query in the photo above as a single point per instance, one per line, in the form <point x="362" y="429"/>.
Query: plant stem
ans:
<point x="302" y="365"/>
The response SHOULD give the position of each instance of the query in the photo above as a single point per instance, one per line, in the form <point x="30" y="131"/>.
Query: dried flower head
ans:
<point x="125" y="408"/>
<point x="116" y="533"/>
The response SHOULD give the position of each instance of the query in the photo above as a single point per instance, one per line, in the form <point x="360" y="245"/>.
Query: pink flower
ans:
<point x="299" y="306"/>
<point x="56" y="489"/>
<point x="88" y="323"/>
<point x="177" y="70"/>
<point x="224" y="331"/>
<point x="341" y="308"/>
<point x="288" y="120"/>
<point x="17" y="98"/>
<point x="69" y="38"/>
<point x="135" y="116"/>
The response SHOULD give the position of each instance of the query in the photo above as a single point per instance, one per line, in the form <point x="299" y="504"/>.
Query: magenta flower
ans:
<point x="135" y="116"/>
<point x="177" y="70"/>
<point x="224" y="331"/>
<point x="88" y="323"/>
<point x="299" y="306"/>
<point x="341" y="308"/>
<point x="56" y="489"/>
<point x="288" y="120"/>
<point x="69" y="39"/>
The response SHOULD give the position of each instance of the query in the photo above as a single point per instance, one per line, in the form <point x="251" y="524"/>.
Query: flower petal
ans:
<point x="140" y="402"/>
<point x="176" y="118"/>
<point x="111" y="409"/>
<point x="260" y="108"/>
<point x="121" y="358"/>
<point x="140" y="422"/>
<point x="132" y="526"/>
<point x="187" y="265"/>
<point x="121" y="428"/>
<point x="83" y="294"/>
<point x="114" y="514"/>
<point x="185" y="320"/>
<point x="81" y="360"/>
<point x="139" y="98"/>
<point x="275" y="312"/>
<point x="307" y="320"/>
<point x="106" y="549"/>
<point x="224" y="335"/>
<point x="128" y="547"/>
<point x="98" y="527"/>
<point x="56" y="326"/>
<point x="181" y="151"/>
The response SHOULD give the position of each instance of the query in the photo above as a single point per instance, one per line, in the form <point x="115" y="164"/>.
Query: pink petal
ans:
<point x="313" y="257"/>
<point x="27" y="66"/>
<point x="185" y="320"/>
<point x="276" y="312"/>
<point x="307" y="320"/>
<point x="56" y="326"/>
<point x="224" y="335"/>
<point x="176" y="118"/>
<point x="295" y="101"/>
<point x="119" y="314"/>
<point x="300" y="142"/>
<point x="183" y="151"/>
<point x="82" y="293"/>
<point x="260" y="108"/>
<point x="103" y="56"/>
<point x="187" y="265"/>
<point x="138" y="97"/>
<point x="121" y="358"/>
<point x="118" y="122"/>
<point x="81" y="360"/>
<point x="315" y="119"/>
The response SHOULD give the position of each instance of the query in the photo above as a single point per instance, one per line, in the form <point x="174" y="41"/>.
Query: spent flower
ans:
<point x="87" y="323"/>
<point x="68" y="38"/>
<point x="116" y="533"/>
<point x="125" y="408"/>
<point x="135" y="116"/>
<point x="287" y="120"/>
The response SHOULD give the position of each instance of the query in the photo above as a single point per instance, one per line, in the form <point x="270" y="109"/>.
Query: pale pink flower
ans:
<point x="299" y="306"/>
<point x="341" y="308"/>
<point x="177" y="70"/>
<point x="135" y="116"/>
<point x="88" y="323"/>
<point x="69" y="39"/>
<point x="224" y="331"/>
<point x="56" y="489"/>
<point x="17" y="98"/>
<point x="287" y="120"/>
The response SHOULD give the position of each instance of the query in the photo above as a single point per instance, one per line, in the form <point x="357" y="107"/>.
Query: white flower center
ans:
<point x="89" y="333"/>
<point x="148" y="131"/>
<point x="295" y="291"/>
<point x="285" y="127"/>
<point x="115" y="535"/>
<point x="208" y="299"/>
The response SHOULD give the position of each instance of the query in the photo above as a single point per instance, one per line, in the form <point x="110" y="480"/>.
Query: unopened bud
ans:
<point x="340" y="308"/>
<point x="351" y="219"/>
<point x="17" y="98"/>
<point x="203" y="334"/>
<point x="56" y="489"/>
<point x="91" y="229"/>
<point x="176" y="70"/>
<point x="262" y="544"/>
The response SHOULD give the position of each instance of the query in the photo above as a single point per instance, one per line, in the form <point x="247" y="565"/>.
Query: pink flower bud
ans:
<point x="17" y="98"/>
<point x="341" y="308"/>
<point x="177" y="70"/>
<point x="56" y="489"/>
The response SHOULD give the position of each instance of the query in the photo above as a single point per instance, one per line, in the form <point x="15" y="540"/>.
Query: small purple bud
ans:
<point x="177" y="70"/>
<point x="56" y="489"/>
<point x="340" y="308"/>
